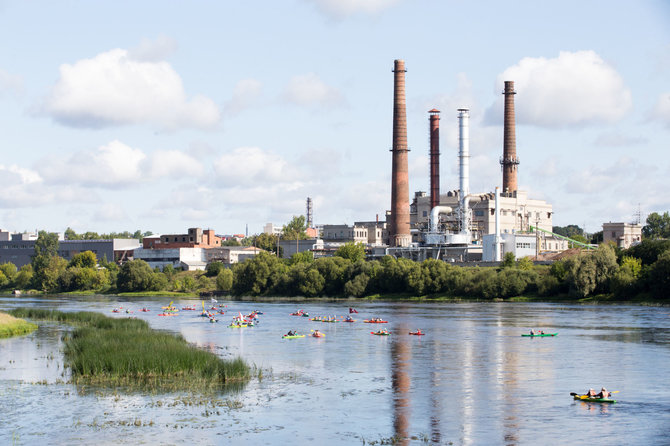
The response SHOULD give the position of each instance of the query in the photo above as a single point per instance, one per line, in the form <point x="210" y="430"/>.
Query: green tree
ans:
<point x="525" y="264"/>
<point x="24" y="277"/>
<point x="302" y="257"/>
<point x="86" y="259"/>
<point x="648" y="250"/>
<point x="568" y="231"/>
<point x="251" y="276"/>
<point x="231" y="242"/>
<point x="267" y="242"/>
<point x="224" y="281"/>
<point x="356" y="286"/>
<point x="351" y="251"/>
<point x="9" y="270"/>
<point x="214" y="268"/>
<point x="135" y="275"/>
<point x="658" y="226"/>
<point x="295" y="229"/>
<point x="509" y="260"/>
<point x="660" y="276"/>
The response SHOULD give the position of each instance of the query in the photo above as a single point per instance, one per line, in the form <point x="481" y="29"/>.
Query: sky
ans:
<point x="164" y="115"/>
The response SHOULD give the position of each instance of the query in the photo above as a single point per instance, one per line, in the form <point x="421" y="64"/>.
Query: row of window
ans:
<point x="523" y="245"/>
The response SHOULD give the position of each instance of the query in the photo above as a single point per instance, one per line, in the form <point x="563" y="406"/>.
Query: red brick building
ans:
<point x="196" y="238"/>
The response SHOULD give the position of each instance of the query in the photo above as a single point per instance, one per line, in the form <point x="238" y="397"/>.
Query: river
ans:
<point x="471" y="380"/>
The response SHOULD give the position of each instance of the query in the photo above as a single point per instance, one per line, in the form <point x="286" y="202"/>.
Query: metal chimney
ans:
<point x="399" y="234"/>
<point x="509" y="161"/>
<point x="434" y="157"/>
<point x="464" y="171"/>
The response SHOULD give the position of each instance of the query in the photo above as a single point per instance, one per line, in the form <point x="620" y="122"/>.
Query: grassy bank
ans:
<point x="11" y="326"/>
<point x="127" y="352"/>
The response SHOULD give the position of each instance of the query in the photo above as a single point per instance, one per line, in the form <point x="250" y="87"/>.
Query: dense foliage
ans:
<point x="642" y="270"/>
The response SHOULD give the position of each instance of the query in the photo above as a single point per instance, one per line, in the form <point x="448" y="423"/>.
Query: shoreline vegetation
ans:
<point x="639" y="274"/>
<point x="104" y="351"/>
<point x="11" y="326"/>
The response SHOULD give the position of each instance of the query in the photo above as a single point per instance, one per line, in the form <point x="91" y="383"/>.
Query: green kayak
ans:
<point x="540" y="335"/>
<point x="593" y="400"/>
<point x="293" y="337"/>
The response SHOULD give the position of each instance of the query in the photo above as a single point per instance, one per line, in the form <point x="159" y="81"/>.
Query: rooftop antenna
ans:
<point x="637" y="215"/>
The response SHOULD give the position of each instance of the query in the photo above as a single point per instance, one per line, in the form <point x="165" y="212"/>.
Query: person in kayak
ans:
<point x="532" y="332"/>
<point x="541" y="332"/>
<point x="591" y="394"/>
<point x="604" y="393"/>
<point x="290" y="333"/>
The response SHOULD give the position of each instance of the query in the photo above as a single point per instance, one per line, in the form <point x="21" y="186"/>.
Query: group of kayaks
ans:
<point x="348" y="318"/>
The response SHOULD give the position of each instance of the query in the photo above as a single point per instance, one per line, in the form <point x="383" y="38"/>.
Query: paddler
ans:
<point x="604" y="393"/>
<point x="591" y="394"/>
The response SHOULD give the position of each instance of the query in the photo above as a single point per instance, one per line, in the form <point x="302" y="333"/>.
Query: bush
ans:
<point x="135" y="275"/>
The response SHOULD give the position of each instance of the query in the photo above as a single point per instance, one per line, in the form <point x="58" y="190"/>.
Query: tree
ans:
<point x="86" y="259"/>
<point x="295" y="229"/>
<point x="267" y="242"/>
<point x="658" y="226"/>
<point x="352" y="251"/>
<point x="23" y="277"/>
<point x="213" y="269"/>
<point x="356" y="286"/>
<point x="568" y="231"/>
<point x="46" y="244"/>
<point x="509" y="260"/>
<point x="660" y="275"/>
<point x="135" y="275"/>
<point x="9" y="270"/>
<point x="45" y="268"/>
<point x="302" y="257"/>
<point x="525" y="264"/>
<point x="231" y="242"/>
<point x="224" y="281"/>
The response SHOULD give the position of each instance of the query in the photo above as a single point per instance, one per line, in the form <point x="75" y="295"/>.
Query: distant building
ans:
<point x="188" y="259"/>
<point x="624" y="235"/>
<point x="517" y="213"/>
<point x="271" y="229"/>
<point x="345" y="233"/>
<point x="521" y="245"/>
<point x="229" y="255"/>
<point x="195" y="238"/>
<point x="19" y="250"/>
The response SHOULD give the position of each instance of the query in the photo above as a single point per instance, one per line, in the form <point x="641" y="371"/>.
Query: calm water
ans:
<point x="472" y="380"/>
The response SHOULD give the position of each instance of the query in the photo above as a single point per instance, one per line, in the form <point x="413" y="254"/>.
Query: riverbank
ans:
<point x="105" y="351"/>
<point x="11" y="326"/>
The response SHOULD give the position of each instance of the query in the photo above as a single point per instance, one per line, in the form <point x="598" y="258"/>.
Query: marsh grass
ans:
<point x="128" y="353"/>
<point x="11" y="326"/>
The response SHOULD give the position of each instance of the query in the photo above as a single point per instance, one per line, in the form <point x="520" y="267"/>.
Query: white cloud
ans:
<point x="112" y="165"/>
<point x="115" y="89"/>
<point x="339" y="9"/>
<point x="173" y="163"/>
<point x="573" y="89"/>
<point x="252" y="166"/>
<point x="661" y="111"/>
<point x="616" y="139"/>
<point x="111" y="212"/>
<point x="245" y="95"/>
<point x="310" y="91"/>
<point x="10" y="83"/>
<point x="153" y="50"/>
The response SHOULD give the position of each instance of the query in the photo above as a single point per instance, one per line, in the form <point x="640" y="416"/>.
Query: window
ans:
<point x="425" y="213"/>
<point x="479" y="213"/>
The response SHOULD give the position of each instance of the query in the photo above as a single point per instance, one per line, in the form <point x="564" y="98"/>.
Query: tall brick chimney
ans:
<point x="434" y="157"/>
<point x="509" y="160"/>
<point x="399" y="234"/>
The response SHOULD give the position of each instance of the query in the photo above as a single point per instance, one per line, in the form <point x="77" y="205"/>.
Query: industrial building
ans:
<point x="19" y="248"/>
<point x="624" y="235"/>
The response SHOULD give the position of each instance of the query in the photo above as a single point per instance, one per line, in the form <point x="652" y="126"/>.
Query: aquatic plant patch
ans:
<point x="11" y="326"/>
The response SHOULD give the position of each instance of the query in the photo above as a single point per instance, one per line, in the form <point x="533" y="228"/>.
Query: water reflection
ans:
<point x="401" y="358"/>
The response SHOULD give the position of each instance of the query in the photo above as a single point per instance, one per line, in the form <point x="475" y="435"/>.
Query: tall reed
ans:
<point x="127" y="351"/>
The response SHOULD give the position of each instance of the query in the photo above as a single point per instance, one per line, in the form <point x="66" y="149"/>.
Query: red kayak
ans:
<point x="375" y="322"/>
<point x="418" y="333"/>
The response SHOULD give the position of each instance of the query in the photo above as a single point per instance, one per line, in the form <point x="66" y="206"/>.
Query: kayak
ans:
<point x="417" y="333"/>
<point x="352" y="320"/>
<point x="293" y="337"/>
<point x="238" y="326"/>
<point x="375" y="322"/>
<point x="539" y="335"/>
<point x="320" y="335"/>
<point x="379" y="334"/>
<point x="594" y="400"/>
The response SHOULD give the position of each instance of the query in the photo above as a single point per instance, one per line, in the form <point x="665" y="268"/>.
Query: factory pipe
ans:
<point x="399" y="233"/>
<point x="509" y="160"/>
<point x="434" y="157"/>
<point x="464" y="157"/>
<point x="496" y="248"/>
<point x="435" y="214"/>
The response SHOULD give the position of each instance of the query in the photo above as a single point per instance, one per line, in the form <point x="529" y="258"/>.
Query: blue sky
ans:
<point x="166" y="115"/>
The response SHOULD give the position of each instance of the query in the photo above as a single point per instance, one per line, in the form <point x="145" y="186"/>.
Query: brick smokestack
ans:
<point x="509" y="161"/>
<point x="434" y="157"/>
<point x="399" y="234"/>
